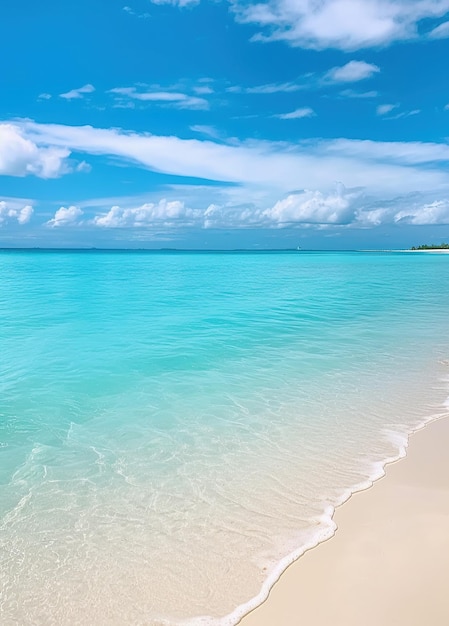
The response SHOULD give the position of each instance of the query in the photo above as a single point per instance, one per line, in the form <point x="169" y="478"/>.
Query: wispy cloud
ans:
<point x="178" y="3"/>
<point x="135" y="13"/>
<point x="204" y="129"/>
<point x="351" y="93"/>
<point x="384" y="109"/>
<point x="352" y="72"/>
<point x="440" y="32"/>
<point x="392" y="166"/>
<point x="171" y="98"/>
<point x="44" y="96"/>
<point x="297" y="114"/>
<point x="76" y="94"/>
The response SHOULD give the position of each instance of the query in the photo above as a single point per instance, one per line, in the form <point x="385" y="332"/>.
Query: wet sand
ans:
<point x="388" y="564"/>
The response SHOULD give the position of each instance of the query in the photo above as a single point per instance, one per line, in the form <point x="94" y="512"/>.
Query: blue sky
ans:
<point x="213" y="124"/>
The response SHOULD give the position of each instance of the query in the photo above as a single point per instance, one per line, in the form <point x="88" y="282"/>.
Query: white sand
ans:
<point x="388" y="564"/>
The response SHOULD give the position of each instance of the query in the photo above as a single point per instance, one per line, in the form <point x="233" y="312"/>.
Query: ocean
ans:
<point x="177" y="427"/>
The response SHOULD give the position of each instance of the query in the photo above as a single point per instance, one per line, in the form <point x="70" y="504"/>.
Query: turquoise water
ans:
<point x="176" y="427"/>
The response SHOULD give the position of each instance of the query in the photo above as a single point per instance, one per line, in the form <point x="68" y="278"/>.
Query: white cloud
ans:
<point x="178" y="3"/>
<point x="83" y="167"/>
<point x="65" y="217"/>
<point x="446" y="108"/>
<point x="288" y="87"/>
<point x="436" y="212"/>
<point x="350" y="93"/>
<point x="172" y="98"/>
<point x="131" y="11"/>
<point x="164" y="212"/>
<point x="44" y="96"/>
<point x="296" y="114"/>
<point x="243" y="207"/>
<point x="440" y="32"/>
<point x="383" y="109"/>
<point x="75" y="94"/>
<point x="352" y="72"/>
<point x="9" y="211"/>
<point x="203" y="90"/>
<point x="19" y="156"/>
<point x="262" y="170"/>
<point x="312" y="207"/>
<point x="342" y="24"/>
<point x="204" y="129"/>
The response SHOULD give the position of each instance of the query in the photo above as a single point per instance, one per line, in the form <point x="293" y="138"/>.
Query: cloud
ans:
<point x="75" y="94"/>
<point x="383" y="109"/>
<point x="440" y="32"/>
<point x="352" y="72"/>
<point x="331" y="208"/>
<point x="204" y="129"/>
<point x="178" y="3"/>
<point x="19" y="156"/>
<point x="65" y="217"/>
<point x="270" y="88"/>
<point x="83" y="167"/>
<point x="297" y="114"/>
<point x="274" y="167"/>
<point x="203" y="90"/>
<point x="312" y="207"/>
<point x="342" y="24"/>
<point x="9" y="211"/>
<point x="131" y="11"/>
<point x="44" y="96"/>
<point x="171" y="98"/>
<point x="166" y="213"/>
<point x="446" y="108"/>
<point x="350" y="93"/>
<point x="436" y="212"/>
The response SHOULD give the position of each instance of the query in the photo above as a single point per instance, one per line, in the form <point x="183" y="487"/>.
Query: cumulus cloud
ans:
<point x="352" y="72"/>
<point x="164" y="212"/>
<point x="65" y="217"/>
<point x="76" y="94"/>
<point x="436" y="212"/>
<point x="44" y="96"/>
<point x="342" y="24"/>
<point x="312" y="207"/>
<point x="296" y="114"/>
<point x="172" y="98"/>
<point x="10" y="212"/>
<point x="19" y="156"/>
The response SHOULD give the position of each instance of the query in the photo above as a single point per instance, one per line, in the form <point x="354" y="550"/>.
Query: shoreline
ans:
<point x="384" y="563"/>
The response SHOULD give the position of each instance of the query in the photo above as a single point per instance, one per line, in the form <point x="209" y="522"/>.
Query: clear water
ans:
<point x="176" y="427"/>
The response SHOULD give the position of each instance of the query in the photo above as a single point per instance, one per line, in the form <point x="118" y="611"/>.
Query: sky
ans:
<point x="214" y="124"/>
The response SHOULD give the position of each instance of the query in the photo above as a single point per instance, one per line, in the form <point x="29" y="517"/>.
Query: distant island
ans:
<point x="432" y="246"/>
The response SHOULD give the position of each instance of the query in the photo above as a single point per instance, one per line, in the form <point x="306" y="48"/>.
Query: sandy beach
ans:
<point x="388" y="563"/>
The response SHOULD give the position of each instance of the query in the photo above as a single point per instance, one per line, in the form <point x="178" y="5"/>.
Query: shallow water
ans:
<point x="174" y="425"/>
